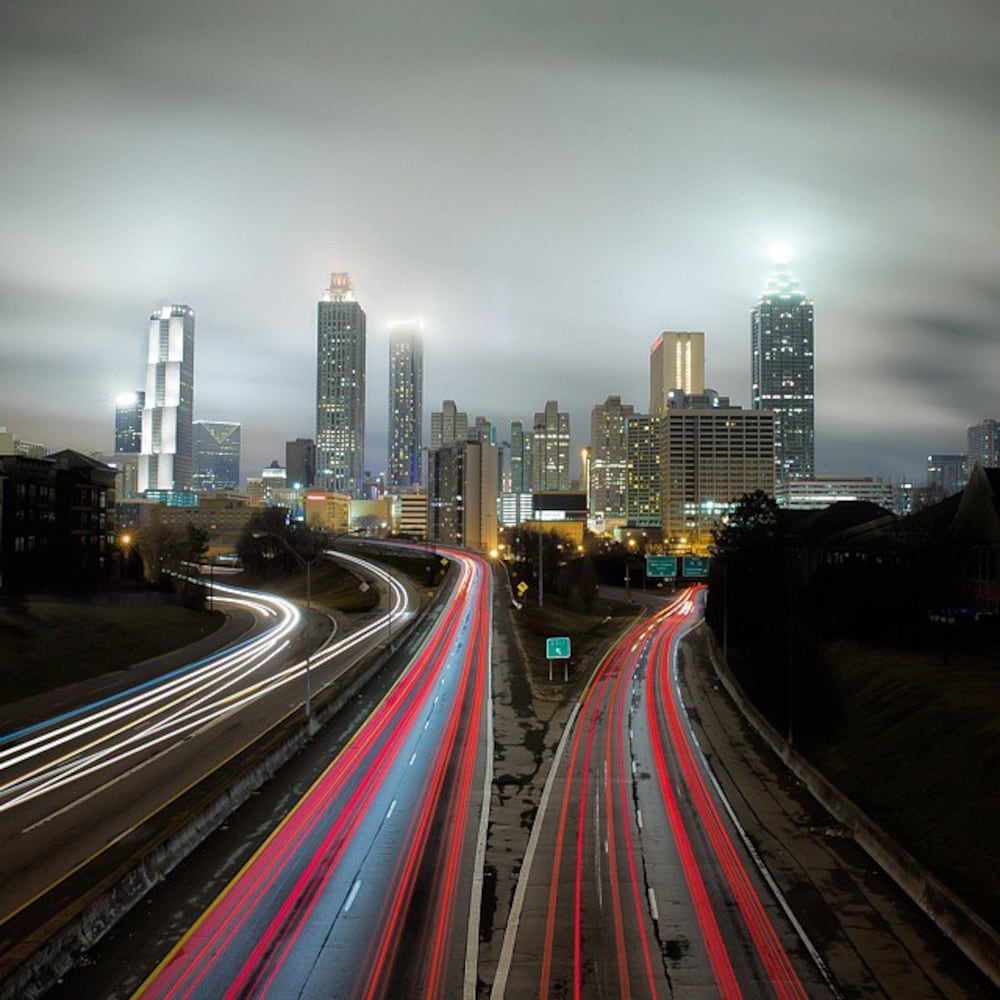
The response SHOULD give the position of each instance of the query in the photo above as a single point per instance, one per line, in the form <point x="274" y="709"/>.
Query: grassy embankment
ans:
<point x="54" y="643"/>
<point x="916" y="744"/>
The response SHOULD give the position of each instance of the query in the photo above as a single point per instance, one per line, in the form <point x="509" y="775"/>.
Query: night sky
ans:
<point x="547" y="184"/>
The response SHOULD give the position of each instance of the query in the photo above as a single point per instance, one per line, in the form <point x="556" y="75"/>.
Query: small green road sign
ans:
<point x="557" y="648"/>
<point x="694" y="567"/>
<point x="661" y="566"/>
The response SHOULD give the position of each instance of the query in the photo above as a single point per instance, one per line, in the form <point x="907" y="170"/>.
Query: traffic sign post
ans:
<point x="661" y="566"/>
<point x="694" y="567"/>
<point x="558" y="648"/>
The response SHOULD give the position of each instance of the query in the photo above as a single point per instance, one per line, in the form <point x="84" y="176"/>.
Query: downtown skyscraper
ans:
<point x="550" y="446"/>
<point x="676" y="361"/>
<point x="406" y="403"/>
<point x="783" y="372"/>
<point x="167" y="442"/>
<point x="340" y="389"/>
<point x="216" y="455"/>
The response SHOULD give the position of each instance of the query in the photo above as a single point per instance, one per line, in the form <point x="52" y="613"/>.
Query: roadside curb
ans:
<point x="979" y="942"/>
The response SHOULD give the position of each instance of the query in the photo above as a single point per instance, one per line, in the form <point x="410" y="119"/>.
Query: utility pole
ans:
<point x="541" y="573"/>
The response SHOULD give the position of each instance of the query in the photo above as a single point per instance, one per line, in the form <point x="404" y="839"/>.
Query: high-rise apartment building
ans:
<point x="608" y="472"/>
<point x="167" y="441"/>
<point x="550" y="449"/>
<point x="128" y="422"/>
<point x="984" y="443"/>
<point x="340" y="389"/>
<point x="448" y="425"/>
<point x="783" y="372"/>
<point x="643" y="482"/>
<point x="406" y="403"/>
<point x="676" y="361"/>
<point x="300" y="462"/>
<point x="216" y="455"/>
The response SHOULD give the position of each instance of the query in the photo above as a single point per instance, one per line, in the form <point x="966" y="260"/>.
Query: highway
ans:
<point x="371" y="885"/>
<point x="77" y="787"/>
<point x="636" y="883"/>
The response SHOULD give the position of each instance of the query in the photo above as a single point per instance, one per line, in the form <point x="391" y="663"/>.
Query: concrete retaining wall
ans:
<point x="977" y="940"/>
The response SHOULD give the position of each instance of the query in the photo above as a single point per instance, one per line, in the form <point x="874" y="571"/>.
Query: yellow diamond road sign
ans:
<point x="522" y="588"/>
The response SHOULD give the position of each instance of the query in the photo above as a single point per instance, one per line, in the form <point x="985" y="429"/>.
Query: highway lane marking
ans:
<point x="638" y="818"/>
<point x="517" y="906"/>
<point x="653" y="911"/>
<point x="427" y="722"/>
<point x="412" y="759"/>
<point x="352" y="895"/>
<point x="392" y="809"/>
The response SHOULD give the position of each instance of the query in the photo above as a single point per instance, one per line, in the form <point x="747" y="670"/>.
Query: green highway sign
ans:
<point x="694" y="567"/>
<point x="557" y="648"/>
<point x="661" y="566"/>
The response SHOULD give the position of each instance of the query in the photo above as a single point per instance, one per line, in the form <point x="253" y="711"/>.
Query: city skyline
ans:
<point x="881" y="179"/>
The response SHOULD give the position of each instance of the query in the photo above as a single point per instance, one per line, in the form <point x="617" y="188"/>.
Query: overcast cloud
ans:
<point x="548" y="184"/>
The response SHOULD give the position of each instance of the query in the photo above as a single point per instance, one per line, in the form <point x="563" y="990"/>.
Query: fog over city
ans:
<point x="547" y="185"/>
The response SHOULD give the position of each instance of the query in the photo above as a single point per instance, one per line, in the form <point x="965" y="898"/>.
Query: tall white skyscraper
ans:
<point x="165" y="458"/>
<point x="340" y="389"/>
<point x="783" y="372"/>
<point x="406" y="403"/>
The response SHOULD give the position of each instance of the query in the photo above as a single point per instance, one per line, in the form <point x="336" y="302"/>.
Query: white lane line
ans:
<point x="654" y="912"/>
<point x="392" y="809"/>
<point x="427" y="722"/>
<point x="354" y="892"/>
<point x="412" y="759"/>
<point x="638" y="818"/>
<point x="514" y="917"/>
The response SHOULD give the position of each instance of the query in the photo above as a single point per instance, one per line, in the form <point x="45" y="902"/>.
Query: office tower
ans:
<point x="608" y="473"/>
<point x="946" y="474"/>
<point x="216" y="455"/>
<point x="984" y="444"/>
<point x="483" y="430"/>
<point x="710" y="457"/>
<point x="300" y="462"/>
<point x="550" y="447"/>
<point x="462" y="494"/>
<point x="783" y="371"/>
<point x="340" y="389"/>
<point x="448" y="425"/>
<point x="643" y="485"/>
<point x="167" y="443"/>
<point x="406" y="403"/>
<point x="128" y="422"/>
<point x="522" y="469"/>
<point x="676" y="361"/>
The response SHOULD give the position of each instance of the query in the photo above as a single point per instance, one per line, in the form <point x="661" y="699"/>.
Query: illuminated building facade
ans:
<point x="783" y="372"/>
<point x="406" y="403"/>
<point x="984" y="444"/>
<point x="676" y="361"/>
<point x="643" y="492"/>
<point x="128" y="422"/>
<point x="708" y="459"/>
<point x="550" y="449"/>
<point x="165" y="459"/>
<point x="609" y="457"/>
<point x="340" y="389"/>
<point x="521" y="461"/>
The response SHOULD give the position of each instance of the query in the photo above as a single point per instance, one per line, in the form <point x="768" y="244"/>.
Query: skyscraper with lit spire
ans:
<point x="340" y="389"/>
<point x="783" y="371"/>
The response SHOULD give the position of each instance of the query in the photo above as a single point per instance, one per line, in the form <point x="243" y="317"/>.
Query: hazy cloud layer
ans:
<point x="548" y="185"/>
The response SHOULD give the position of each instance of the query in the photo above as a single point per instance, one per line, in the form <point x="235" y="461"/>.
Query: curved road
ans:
<point x="80" y="784"/>
<point x="371" y="886"/>
<point x="635" y="883"/>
